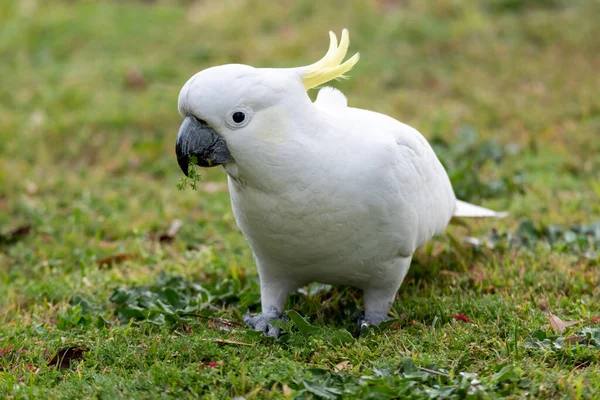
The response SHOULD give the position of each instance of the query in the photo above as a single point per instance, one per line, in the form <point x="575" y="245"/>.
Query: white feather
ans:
<point x="331" y="98"/>
<point x="464" y="209"/>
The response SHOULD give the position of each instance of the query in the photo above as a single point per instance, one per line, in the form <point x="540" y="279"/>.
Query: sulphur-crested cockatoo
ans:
<point x="323" y="192"/>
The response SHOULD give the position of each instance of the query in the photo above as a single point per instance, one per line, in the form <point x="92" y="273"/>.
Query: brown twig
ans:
<point x="217" y="320"/>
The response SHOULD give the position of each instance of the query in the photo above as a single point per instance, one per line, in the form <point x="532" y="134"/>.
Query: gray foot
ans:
<point x="262" y="321"/>
<point x="371" y="319"/>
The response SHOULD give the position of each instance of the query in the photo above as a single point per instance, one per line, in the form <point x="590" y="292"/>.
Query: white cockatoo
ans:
<point x="323" y="192"/>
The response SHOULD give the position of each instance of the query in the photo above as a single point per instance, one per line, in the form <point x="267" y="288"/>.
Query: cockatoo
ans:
<point x="322" y="192"/>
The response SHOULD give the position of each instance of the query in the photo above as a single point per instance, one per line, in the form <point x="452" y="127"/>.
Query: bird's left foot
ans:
<point x="262" y="321"/>
<point x="371" y="319"/>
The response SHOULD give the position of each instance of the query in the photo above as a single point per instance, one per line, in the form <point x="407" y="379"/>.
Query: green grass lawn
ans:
<point x="96" y="296"/>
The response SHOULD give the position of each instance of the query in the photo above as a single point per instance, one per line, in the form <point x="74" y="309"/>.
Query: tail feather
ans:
<point x="464" y="209"/>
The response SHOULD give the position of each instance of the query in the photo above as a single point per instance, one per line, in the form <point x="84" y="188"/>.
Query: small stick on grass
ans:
<point x="218" y="320"/>
<point x="431" y="371"/>
<point x="225" y="341"/>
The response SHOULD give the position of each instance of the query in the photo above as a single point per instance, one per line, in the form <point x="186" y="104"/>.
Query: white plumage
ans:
<point x="322" y="191"/>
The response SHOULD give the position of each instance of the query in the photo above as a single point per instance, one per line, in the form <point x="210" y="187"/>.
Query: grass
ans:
<point x="88" y="193"/>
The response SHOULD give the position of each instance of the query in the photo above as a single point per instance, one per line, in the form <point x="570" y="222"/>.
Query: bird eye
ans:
<point x="239" y="117"/>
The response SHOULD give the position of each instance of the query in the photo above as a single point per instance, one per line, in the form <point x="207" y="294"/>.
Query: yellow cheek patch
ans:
<point x="273" y="131"/>
<point x="330" y="67"/>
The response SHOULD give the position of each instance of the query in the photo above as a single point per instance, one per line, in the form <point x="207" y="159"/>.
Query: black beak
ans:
<point x="197" y="139"/>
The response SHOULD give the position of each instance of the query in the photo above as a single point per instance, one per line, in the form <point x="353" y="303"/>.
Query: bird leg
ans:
<point x="379" y="298"/>
<point x="273" y="295"/>
<point x="378" y="302"/>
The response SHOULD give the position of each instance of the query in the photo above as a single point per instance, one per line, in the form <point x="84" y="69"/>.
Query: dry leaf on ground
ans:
<point x="557" y="324"/>
<point x="170" y="235"/>
<point x="64" y="357"/>
<point x="343" y="366"/>
<point x="462" y="317"/>
<point x="114" y="259"/>
<point x="287" y="391"/>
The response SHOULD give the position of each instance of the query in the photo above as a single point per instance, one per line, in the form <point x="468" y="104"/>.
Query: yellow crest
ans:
<point x="330" y="67"/>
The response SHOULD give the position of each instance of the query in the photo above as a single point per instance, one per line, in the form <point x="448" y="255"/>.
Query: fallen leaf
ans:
<point x="114" y="259"/>
<point x="135" y="79"/>
<point x="21" y="231"/>
<point x="557" y="324"/>
<point x="575" y="339"/>
<point x="64" y="357"/>
<point x="15" y="235"/>
<point x="211" y="364"/>
<point x="343" y="366"/>
<point x="170" y="235"/>
<point x="187" y="329"/>
<point x="31" y="188"/>
<point x="287" y="391"/>
<point x="395" y="325"/>
<point x="46" y="238"/>
<point x="32" y="368"/>
<point x="227" y="341"/>
<point x="462" y="317"/>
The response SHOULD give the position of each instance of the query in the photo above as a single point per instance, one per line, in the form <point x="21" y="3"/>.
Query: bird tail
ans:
<point x="464" y="209"/>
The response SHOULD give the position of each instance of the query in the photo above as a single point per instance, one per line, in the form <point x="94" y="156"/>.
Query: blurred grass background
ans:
<point x="88" y="120"/>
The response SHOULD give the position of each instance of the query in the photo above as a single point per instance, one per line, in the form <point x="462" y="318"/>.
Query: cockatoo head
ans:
<point x="235" y="112"/>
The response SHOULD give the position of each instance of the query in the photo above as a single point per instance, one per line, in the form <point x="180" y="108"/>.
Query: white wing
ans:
<point x="395" y="165"/>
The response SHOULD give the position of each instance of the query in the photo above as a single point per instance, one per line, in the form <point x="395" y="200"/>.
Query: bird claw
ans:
<point x="262" y="321"/>
<point x="370" y="320"/>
